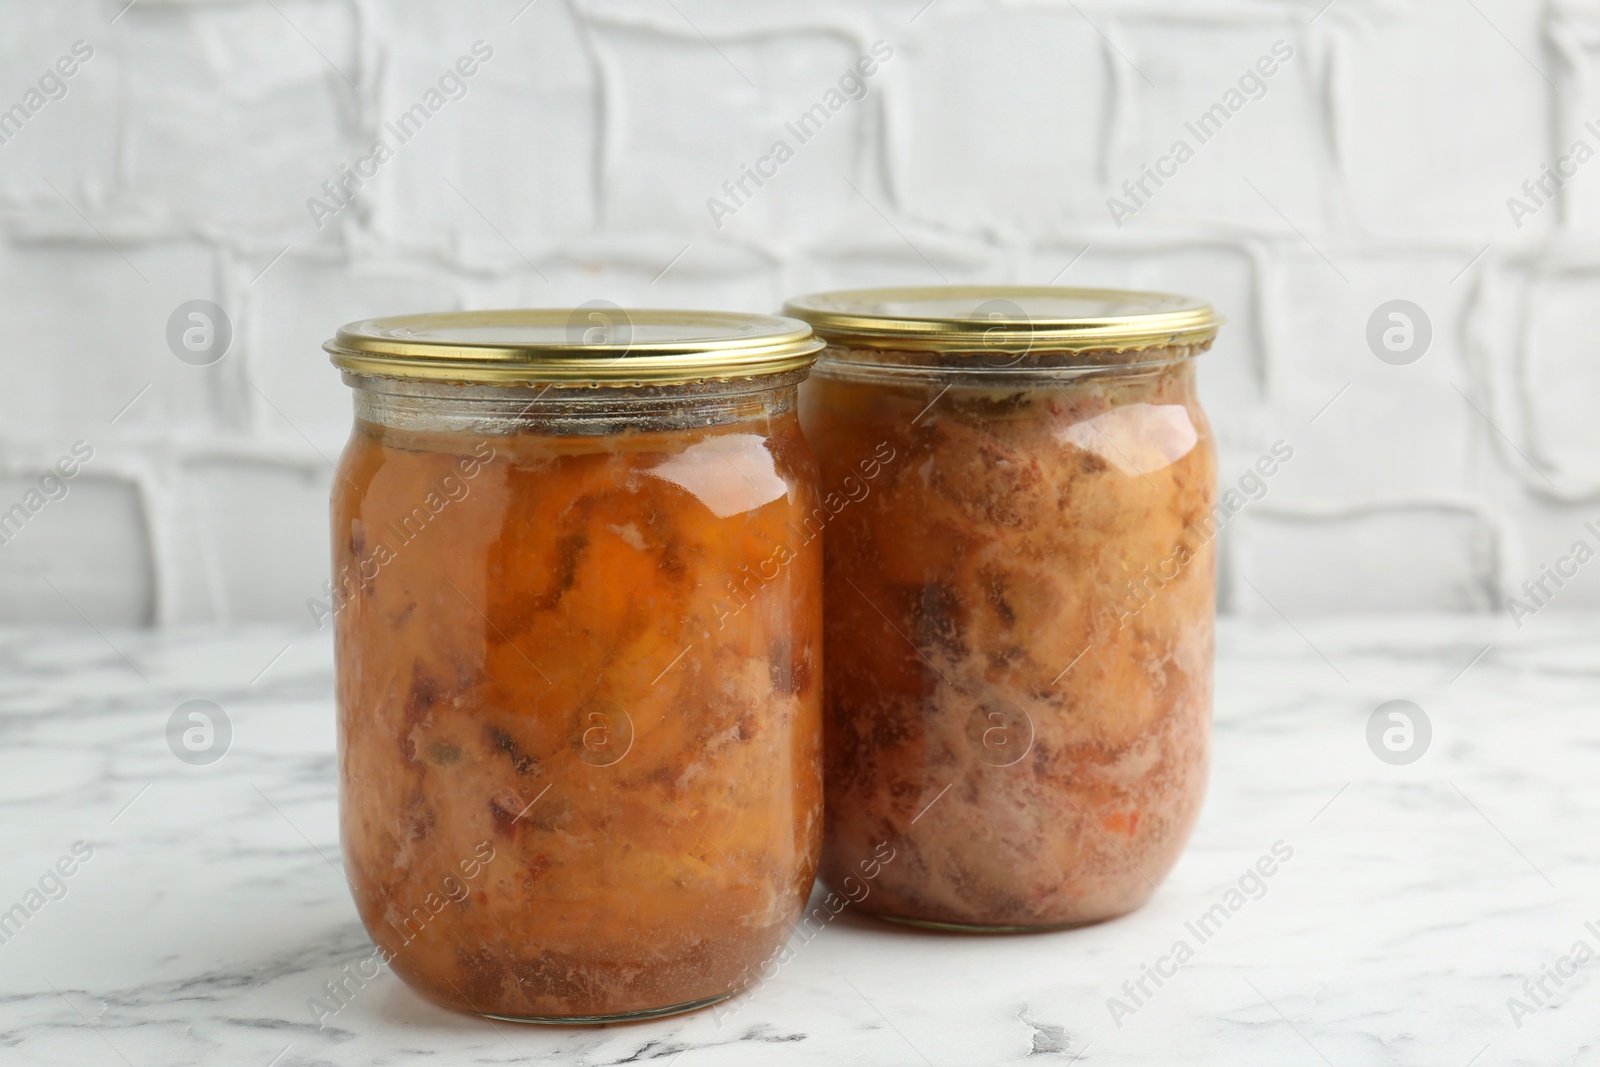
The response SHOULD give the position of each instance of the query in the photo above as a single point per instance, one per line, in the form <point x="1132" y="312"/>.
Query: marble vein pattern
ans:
<point x="1420" y="913"/>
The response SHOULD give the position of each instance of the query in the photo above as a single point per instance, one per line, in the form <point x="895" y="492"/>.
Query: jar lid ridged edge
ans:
<point x="838" y="318"/>
<point x="729" y="345"/>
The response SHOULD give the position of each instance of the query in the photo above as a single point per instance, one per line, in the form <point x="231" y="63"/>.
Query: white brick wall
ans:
<point x="578" y="166"/>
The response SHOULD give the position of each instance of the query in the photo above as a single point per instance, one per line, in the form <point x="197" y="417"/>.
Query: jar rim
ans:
<point x="1006" y="319"/>
<point x="598" y="343"/>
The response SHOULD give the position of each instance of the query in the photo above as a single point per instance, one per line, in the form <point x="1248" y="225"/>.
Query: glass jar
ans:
<point x="579" y="655"/>
<point x="1019" y="596"/>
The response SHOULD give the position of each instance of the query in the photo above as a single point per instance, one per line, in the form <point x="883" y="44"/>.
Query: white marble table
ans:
<point x="1418" y="899"/>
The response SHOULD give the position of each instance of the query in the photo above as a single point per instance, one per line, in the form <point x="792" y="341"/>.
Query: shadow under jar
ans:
<point x="1019" y="596"/>
<point x="579" y="662"/>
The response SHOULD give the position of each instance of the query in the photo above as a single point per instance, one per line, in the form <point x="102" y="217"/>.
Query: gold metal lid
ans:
<point x="989" y="318"/>
<point x="596" y="344"/>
